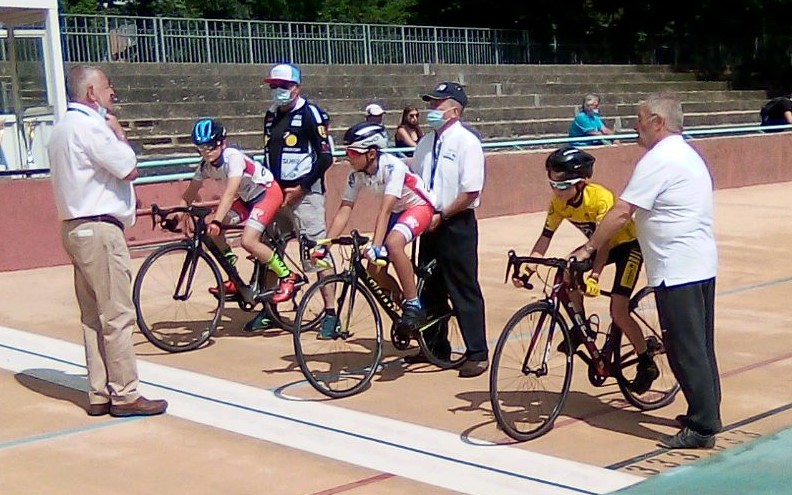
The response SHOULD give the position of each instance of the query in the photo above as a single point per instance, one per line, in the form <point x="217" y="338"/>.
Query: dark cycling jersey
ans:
<point x="296" y="145"/>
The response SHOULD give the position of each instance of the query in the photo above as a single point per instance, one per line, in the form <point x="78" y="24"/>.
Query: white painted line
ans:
<point x="412" y="451"/>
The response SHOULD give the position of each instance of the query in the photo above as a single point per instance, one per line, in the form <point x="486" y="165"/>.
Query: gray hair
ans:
<point x="590" y="99"/>
<point x="79" y="79"/>
<point x="669" y="108"/>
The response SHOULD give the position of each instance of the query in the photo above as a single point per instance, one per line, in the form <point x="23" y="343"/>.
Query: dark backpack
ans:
<point x="771" y="105"/>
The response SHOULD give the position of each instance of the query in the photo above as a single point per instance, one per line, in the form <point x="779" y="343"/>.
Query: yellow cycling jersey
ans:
<point x="597" y="200"/>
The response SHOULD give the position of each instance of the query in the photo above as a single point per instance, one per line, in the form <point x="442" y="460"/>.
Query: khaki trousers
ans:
<point x="103" y="286"/>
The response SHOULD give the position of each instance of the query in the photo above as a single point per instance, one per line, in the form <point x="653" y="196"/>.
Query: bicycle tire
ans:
<point x="445" y="353"/>
<point x="532" y="403"/>
<point x="664" y="389"/>
<point x="344" y="364"/>
<point x="177" y="325"/>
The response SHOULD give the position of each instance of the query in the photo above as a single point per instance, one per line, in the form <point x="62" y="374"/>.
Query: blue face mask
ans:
<point x="102" y="111"/>
<point x="435" y="119"/>
<point x="281" y="96"/>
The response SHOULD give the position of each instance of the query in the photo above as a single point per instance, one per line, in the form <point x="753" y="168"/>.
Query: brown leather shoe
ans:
<point x="469" y="368"/>
<point x="99" y="409"/>
<point x="141" y="407"/>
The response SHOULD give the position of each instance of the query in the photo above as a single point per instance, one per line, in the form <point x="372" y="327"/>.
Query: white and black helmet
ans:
<point x="366" y="135"/>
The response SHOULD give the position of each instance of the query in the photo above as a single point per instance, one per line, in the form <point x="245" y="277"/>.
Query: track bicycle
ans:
<point x="176" y="311"/>
<point x="343" y="363"/>
<point x="531" y="374"/>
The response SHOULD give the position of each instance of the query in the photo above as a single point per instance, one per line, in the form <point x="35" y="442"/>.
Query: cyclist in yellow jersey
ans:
<point x="584" y="204"/>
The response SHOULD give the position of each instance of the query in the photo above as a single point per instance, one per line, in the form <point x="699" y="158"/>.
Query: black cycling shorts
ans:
<point x="628" y="259"/>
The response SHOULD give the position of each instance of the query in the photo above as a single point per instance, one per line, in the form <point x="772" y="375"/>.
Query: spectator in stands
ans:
<point x="297" y="151"/>
<point x="374" y="114"/>
<point x="92" y="170"/>
<point x="588" y="121"/>
<point x="670" y="193"/>
<point x="777" y="111"/>
<point x="450" y="160"/>
<point x="409" y="132"/>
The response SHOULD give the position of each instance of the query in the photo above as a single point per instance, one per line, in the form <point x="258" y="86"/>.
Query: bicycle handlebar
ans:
<point x="522" y="273"/>
<point x="160" y="216"/>
<point x="355" y="240"/>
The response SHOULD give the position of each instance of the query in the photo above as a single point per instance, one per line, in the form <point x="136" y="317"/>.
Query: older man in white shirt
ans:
<point x="92" y="172"/>
<point x="670" y="192"/>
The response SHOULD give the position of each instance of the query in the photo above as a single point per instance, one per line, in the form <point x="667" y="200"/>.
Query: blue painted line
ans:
<point x="328" y="428"/>
<point x="63" y="433"/>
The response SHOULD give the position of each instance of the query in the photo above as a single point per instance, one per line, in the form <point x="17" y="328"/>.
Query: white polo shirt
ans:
<point x="672" y="189"/>
<point x="451" y="164"/>
<point x="88" y="164"/>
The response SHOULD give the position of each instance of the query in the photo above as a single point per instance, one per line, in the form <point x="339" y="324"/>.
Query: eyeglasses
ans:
<point x="207" y="148"/>
<point x="353" y="152"/>
<point x="282" y="85"/>
<point x="563" y="185"/>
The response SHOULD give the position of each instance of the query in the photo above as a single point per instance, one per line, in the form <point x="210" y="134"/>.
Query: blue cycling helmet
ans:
<point x="208" y="131"/>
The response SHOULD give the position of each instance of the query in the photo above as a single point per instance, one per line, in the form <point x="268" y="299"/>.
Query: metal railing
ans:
<point x="510" y="145"/>
<point x="95" y="38"/>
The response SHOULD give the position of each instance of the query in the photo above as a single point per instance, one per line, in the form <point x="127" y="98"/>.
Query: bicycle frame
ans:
<point x="359" y="272"/>
<point x="200" y="241"/>
<point x="602" y="359"/>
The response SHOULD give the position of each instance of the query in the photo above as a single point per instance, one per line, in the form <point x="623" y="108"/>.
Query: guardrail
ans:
<point x="101" y="38"/>
<point x="492" y="145"/>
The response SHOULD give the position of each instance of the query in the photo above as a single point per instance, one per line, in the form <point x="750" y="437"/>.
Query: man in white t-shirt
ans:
<point x="451" y="162"/>
<point x="670" y="192"/>
<point x="92" y="170"/>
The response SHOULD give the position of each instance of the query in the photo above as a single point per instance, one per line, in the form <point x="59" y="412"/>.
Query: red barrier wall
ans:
<point x="516" y="183"/>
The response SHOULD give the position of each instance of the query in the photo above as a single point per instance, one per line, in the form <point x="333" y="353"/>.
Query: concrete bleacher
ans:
<point x="159" y="102"/>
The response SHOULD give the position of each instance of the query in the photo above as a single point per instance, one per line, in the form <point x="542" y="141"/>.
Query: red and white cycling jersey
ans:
<point x="393" y="178"/>
<point x="233" y="163"/>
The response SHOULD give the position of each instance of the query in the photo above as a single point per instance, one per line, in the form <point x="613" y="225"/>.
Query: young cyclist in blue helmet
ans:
<point x="250" y="194"/>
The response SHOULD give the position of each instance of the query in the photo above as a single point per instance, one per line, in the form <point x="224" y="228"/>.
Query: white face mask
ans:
<point x="281" y="96"/>
<point x="102" y="111"/>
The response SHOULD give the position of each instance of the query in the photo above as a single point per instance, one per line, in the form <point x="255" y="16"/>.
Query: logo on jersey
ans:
<point x="322" y="131"/>
<point x="351" y="180"/>
<point x="290" y="139"/>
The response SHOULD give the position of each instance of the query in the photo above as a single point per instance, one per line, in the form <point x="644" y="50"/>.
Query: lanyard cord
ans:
<point x="436" y="147"/>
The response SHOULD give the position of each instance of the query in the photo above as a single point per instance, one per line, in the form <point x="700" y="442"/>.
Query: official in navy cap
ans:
<point x="451" y="162"/>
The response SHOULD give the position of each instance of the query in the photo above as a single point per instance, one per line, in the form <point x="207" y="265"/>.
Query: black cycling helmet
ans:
<point x="366" y="135"/>
<point x="208" y="131"/>
<point x="571" y="162"/>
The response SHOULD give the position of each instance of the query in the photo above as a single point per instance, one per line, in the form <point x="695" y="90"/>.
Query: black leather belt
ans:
<point x="102" y="218"/>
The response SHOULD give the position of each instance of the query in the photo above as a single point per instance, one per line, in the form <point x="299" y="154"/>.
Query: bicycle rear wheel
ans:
<point x="663" y="390"/>
<point x="442" y="343"/>
<point x="530" y="378"/>
<point x="175" y="310"/>
<point x="341" y="362"/>
<point x="284" y="314"/>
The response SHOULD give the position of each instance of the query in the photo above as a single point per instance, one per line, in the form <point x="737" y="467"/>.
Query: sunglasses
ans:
<point x="412" y="115"/>
<point x="207" y="148"/>
<point x="353" y="152"/>
<point x="282" y="85"/>
<point x="563" y="185"/>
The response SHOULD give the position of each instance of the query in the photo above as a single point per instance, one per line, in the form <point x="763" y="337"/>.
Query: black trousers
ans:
<point x="687" y="316"/>
<point x="455" y="247"/>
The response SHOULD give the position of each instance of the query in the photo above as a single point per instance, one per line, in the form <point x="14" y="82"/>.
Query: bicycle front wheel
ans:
<point x="340" y="355"/>
<point x="442" y="343"/>
<point x="175" y="310"/>
<point x="530" y="377"/>
<point x="643" y="309"/>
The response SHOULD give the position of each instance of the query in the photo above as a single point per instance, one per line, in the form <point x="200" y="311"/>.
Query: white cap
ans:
<point x="374" y="110"/>
<point x="284" y="72"/>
